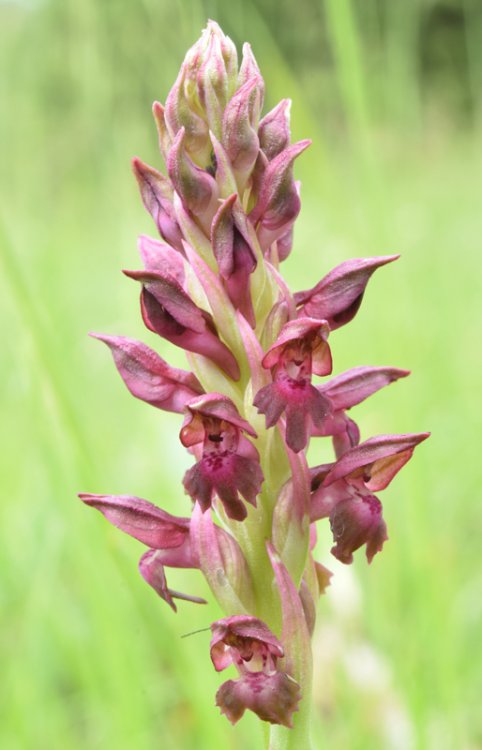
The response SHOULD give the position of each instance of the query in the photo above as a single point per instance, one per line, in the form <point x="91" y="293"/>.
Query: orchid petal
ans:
<point x="243" y="633"/>
<point x="357" y="521"/>
<point x="299" y="329"/>
<point x="272" y="697"/>
<point x="152" y="570"/>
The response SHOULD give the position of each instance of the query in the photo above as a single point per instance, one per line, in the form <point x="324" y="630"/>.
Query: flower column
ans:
<point x="211" y="285"/>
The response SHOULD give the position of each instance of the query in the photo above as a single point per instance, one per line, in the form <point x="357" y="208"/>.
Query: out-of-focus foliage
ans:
<point x="390" y="92"/>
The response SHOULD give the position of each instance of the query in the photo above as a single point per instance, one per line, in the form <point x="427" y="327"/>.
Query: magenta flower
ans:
<point x="342" y="491"/>
<point x="211" y="285"/>
<point x="250" y="645"/>
<point x="167" y="535"/>
<point x="300" y="350"/>
<point x="229" y="463"/>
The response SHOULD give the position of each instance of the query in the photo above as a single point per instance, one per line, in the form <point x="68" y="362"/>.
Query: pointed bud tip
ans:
<point x="388" y="258"/>
<point x="136" y="275"/>
<point x="213" y="27"/>
<point x="101" y="337"/>
<point x="138" y="168"/>
<point x="227" y="202"/>
<point x="88" y="498"/>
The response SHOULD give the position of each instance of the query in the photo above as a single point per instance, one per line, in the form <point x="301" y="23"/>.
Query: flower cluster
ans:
<point x="256" y="391"/>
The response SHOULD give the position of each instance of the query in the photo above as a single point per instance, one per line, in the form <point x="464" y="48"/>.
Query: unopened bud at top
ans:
<point x="249" y="71"/>
<point x="207" y="80"/>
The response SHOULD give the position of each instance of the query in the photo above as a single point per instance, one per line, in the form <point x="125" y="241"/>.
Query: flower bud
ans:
<point x="207" y="79"/>
<point x="179" y="114"/>
<point x="222" y="563"/>
<point x="279" y="202"/>
<point x="157" y="194"/>
<point x="196" y="188"/>
<point x="165" y="140"/>
<point x="170" y="312"/>
<point x="234" y="254"/>
<point x="209" y="74"/>
<point x="274" y="130"/>
<point x="249" y="71"/>
<point x="223" y="172"/>
<point x="240" y="138"/>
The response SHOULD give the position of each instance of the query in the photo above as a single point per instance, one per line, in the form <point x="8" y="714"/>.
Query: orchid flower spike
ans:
<point x="256" y="390"/>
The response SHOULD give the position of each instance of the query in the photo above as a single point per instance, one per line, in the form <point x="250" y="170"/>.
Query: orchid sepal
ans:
<point x="148" y="377"/>
<point x="338" y="296"/>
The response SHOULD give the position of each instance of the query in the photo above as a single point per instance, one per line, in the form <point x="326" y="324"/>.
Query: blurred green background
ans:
<point x="390" y="93"/>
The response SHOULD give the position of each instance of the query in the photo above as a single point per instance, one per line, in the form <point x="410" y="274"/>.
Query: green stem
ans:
<point x="297" y="738"/>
